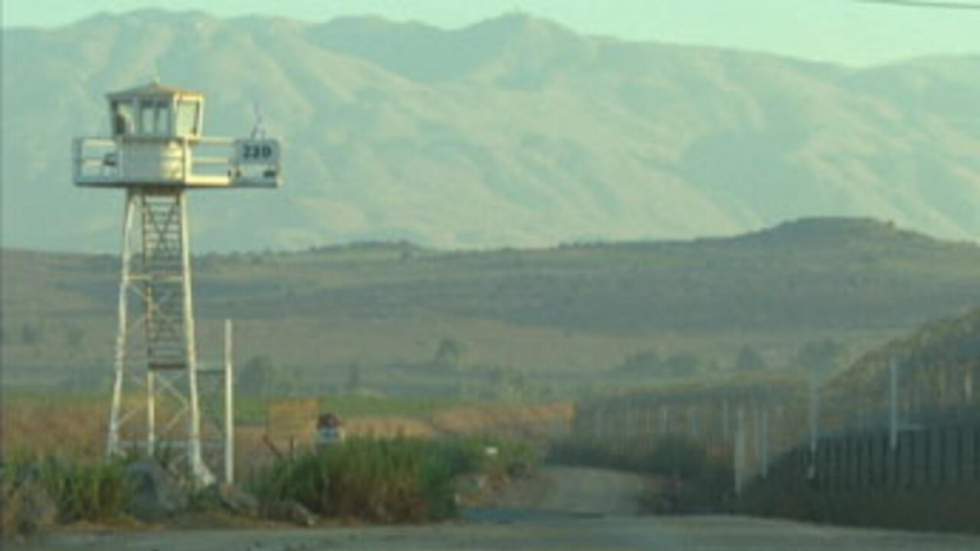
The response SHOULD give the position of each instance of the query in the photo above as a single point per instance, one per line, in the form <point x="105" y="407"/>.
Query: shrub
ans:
<point x="80" y="491"/>
<point x="302" y="478"/>
<point x="389" y="480"/>
<point x="469" y="454"/>
<point x="397" y="480"/>
<point x="377" y="480"/>
<point x="91" y="492"/>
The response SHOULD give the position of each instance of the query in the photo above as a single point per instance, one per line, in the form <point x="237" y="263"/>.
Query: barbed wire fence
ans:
<point x="898" y="414"/>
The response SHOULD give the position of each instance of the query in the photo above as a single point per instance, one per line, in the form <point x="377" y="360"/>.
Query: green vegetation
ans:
<point x="92" y="491"/>
<point x="945" y="342"/>
<point x="535" y="324"/>
<point x="399" y="480"/>
<point x="941" y="360"/>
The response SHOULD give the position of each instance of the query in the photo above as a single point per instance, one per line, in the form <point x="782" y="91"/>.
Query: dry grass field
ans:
<point x="75" y="426"/>
<point x="49" y="425"/>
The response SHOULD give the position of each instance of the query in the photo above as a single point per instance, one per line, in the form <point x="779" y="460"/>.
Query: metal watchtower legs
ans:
<point x="155" y="346"/>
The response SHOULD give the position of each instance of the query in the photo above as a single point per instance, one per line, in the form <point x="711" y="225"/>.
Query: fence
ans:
<point x="749" y="420"/>
<point x="925" y="477"/>
<point x="895" y="421"/>
<point x="925" y="457"/>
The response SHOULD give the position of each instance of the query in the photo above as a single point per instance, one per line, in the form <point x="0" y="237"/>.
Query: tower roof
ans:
<point x="153" y="89"/>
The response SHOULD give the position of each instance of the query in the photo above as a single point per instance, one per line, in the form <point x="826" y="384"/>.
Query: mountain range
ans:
<point x="514" y="131"/>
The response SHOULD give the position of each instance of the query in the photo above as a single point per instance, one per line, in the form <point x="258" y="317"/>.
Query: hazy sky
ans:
<point x="847" y="31"/>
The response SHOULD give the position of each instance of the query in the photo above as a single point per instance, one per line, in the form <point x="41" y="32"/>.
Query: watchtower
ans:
<point x="156" y="153"/>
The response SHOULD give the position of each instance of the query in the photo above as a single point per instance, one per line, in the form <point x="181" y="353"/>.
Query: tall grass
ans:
<point x="90" y="492"/>
<point x="80" y="491"/>
<point x="393" y="480"/>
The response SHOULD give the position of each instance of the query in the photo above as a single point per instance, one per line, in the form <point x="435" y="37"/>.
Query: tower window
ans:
<point x="187" y="115"/>
<point x="154" y="117"/>
<point x="122" y="118"/>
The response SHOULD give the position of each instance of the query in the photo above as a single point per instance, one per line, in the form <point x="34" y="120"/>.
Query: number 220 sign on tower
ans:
<point x="256" y="152"/>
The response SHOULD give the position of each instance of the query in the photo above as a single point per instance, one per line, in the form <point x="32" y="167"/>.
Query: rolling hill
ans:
<point x="571" y="312"/>
<point x="513" y="131"/>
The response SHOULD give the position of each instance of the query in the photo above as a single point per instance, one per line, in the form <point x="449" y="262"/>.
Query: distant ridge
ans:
<point x="808" y="231"/>
<point x="827" y="231"/>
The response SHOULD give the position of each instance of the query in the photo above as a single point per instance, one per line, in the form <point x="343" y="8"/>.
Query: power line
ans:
<point x="925" y="4"/>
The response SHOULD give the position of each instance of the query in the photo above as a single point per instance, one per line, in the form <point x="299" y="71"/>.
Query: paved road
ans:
<point x="566" y="510"/>
<point x="537" y="533"/>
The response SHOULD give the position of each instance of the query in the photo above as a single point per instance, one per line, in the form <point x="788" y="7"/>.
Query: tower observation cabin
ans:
<point x="157" y="140"/>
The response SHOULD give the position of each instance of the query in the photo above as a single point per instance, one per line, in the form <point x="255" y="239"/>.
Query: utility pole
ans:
<point x="229" y="407"/>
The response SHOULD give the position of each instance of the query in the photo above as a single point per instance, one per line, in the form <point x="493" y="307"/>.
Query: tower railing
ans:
<point x="205" y="162"/>
<point x="96" y="160"/>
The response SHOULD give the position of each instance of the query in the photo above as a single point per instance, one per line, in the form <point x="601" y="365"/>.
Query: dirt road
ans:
<point x="566" y="509"/>
<point x="575" y="490"/>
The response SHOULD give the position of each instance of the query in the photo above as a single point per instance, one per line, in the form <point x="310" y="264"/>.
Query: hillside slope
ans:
<point x="573" y="309"/>
<point x="513" y="131"/>
<point x="942" y="358"/>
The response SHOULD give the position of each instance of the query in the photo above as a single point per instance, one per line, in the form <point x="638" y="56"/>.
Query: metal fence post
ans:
<point x="814" y="413"/>
<point x="725" y="424"/>
<point x="229" y="407"/>
<point x="739" y="455"/>
<point x="893" y="405"/>
<point x="765" y="442"/>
